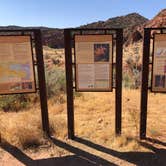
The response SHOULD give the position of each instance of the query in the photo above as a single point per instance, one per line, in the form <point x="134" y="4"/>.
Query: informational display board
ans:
<point x="16" y="65"/>
<point x="94" y="58"/>
<point x="159" y="64"/>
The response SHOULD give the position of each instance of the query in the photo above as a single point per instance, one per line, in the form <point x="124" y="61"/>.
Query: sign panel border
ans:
<point x="152" y="76"/>
<point x="110" y="89"/>
<point x="33" y="67"/>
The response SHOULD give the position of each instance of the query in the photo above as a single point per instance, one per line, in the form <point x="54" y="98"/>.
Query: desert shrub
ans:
<point x="16" y="102"/>
<point x="126" y="80"/>
<point x="58" y="127"/>
<point x="132" y="79"/>
<point x="22" y="129"/>
<point x="55" y="80"/>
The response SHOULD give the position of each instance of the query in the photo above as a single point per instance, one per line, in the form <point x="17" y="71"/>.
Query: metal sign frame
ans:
<point x="145" y="76"/>
<point x="70" y="65"/>
<point x="37" y="61"/>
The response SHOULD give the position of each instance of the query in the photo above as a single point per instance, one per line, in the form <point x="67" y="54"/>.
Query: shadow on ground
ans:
<point x="155" y="158"/>
<point x="83" y="158"/>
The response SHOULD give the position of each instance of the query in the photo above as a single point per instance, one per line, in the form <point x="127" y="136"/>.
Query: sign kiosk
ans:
<point x="90" y="68"/>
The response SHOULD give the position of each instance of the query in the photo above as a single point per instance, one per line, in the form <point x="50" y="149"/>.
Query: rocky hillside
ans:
<point x="53" y="37"/>
<point x="158" y="21"/>
<point x="128" y="22"/>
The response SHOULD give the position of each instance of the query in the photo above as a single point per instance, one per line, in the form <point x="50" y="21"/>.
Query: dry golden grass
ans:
<point x="24" y="129"/>
<point x="94" y="120"/>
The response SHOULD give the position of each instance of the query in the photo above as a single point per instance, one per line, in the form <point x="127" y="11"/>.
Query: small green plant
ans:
<point x="126" y="80"/>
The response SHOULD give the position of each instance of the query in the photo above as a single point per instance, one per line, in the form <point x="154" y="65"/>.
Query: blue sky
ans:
<point x="72" y="13"/>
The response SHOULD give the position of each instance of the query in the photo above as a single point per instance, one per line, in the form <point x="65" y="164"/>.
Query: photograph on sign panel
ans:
<point x="15" y="86"/>
<point x="160" y="81"/>
<point x="11" y="72"/>
<point x="161" y="51"/>
<point x="27" y="85"/>
<point x="101" y="52"/>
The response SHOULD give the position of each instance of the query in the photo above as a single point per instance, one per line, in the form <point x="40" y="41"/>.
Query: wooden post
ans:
<point x="144" y="88"/>
<point x="41" y="79"/>
<point x="69" y="83"/>
<point x="118" y="93"/>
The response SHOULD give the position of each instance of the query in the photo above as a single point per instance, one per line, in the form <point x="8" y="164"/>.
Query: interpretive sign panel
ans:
<point x="159" y="63"/>
<point x="16" y="65"/>
<point x="93" y="55"/>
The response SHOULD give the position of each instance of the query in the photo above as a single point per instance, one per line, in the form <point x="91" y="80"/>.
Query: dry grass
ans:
<point x="94" y="120"/>
<point x="97" y="118"/>
<point x="97" y="121"/>
<point x="24" y="129"/>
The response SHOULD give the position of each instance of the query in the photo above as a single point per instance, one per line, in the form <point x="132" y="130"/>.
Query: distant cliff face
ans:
<point x="158" y="21"/>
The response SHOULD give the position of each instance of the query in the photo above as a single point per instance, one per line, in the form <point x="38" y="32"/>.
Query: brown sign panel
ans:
<point x="159" y="64"/>
<point x="16" y="65"/>
<point x="93" y="62"/>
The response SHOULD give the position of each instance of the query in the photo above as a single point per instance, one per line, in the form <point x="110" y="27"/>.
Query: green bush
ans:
<point x="55" y="80"/>
<point x="127" y="81"/>
<point x="15" y="102"/>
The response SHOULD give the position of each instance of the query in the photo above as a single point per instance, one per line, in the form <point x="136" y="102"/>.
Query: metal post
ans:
<point x="118" y="93"/>
<point x="69" y="83"/>
<point x="144" y="88"/>
<point x="41" y="79"/>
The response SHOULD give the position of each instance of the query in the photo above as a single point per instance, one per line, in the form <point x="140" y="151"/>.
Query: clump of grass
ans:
<point x="29" y="138"/>
<point x="126" y="143"/>
<point x="134" y="118"/>
<point x="58" y="127"/>
<point x="22" y="129"/>
<point x="17" y="102"/>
